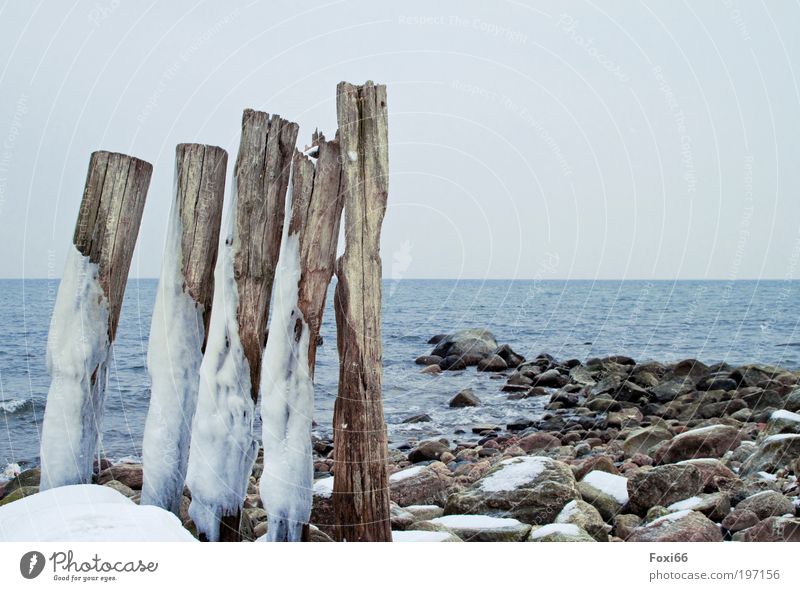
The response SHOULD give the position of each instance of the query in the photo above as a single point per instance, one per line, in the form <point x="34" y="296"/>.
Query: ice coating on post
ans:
<point x="223" y="447"/>
<point x="180" y="320"/>
<point x="78" y="350"/>
<point x="360" y="492"/>
<point x="305" y="267"/>
<point x="287" y="407"/>
<point x="86" y="314"/>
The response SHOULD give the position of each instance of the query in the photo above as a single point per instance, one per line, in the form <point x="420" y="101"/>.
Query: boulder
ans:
<point x="715" y="506"/>
<point x="453" y="363"/>
<point x="792" y="403"/>
<point x="680" y="526"/>
<point x="772" y="529"/>
<point x="586" y="517"/>
<point x="483" y="528"/>
<point x="427" y="451"/>
<point x="559" y="532"/>
<point x="128" y="474"/>
<point x="121" y="488"/>
<point x="768" y="503"/>
<point x="782" y="421"/>
<point x="550" y="379"/>
<point x="30" y="477"/>
<point x="670" y="389"/>
<point x="739" y="519"/>
<point x="644" y="439"/>
<point x="422" y="418"/>
<point x="492" y="363"/>
<point x="428" y="360"/>
<point x="471" y="341"/>
<point x="706" y="442"/>
<point x="421" y="485"/>
<point x="508" y="355"/>
<point x="538" y="442"/>
<point x="399" y="517"/>
<point x="431" y="370"/>
<point x="713" y="473"/>
<point x="608" y="493"/>
<point x="773" y="453"/>
<point x="663" y="485"/>
<point x="19" y="493"/>
<point x="532" y="489"/>
<point x="424" y="512"/>
<point x="465" y="398"/>
<point x="624" y="525"/>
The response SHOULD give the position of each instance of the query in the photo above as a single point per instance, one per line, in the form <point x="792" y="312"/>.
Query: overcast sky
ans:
<point x="528" y="140"/>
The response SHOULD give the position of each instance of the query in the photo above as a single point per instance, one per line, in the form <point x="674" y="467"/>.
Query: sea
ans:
<point x="736" y="322"/>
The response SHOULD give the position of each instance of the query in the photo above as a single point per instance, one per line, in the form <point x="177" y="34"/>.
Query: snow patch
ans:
<point x="87" y="513"/>
<point x="565" y="529"/>
<point x="420" y="536"/>
<point x="610" y="484"/>
<point x="481" y="522"/>
<point x="568" y="511"/>
<point x="514" y="472"/>
<point x="407" y="473"/>
<point x="324" y="487"/>
<point x="78" y="348"/>
<point x="669" y="518"/>
<point x="174" y="356"/>
<point x="223" y="448"/>
<point x="785" y="415"/>
<point x="781" y="437"/>
<point x="690" y="503"/>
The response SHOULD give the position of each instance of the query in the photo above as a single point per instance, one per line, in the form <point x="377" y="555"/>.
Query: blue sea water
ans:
<point x="737" y="322"/>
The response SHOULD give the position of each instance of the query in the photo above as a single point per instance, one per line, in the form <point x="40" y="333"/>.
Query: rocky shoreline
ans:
<point x="625" y="451"/>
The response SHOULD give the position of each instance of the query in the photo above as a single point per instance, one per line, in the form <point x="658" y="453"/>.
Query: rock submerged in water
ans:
<point x="465" y="398"/>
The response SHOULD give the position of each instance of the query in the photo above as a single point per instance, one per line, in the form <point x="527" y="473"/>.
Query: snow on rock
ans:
<point x="785" y="415"/>
<point x="87" y="513"/>
<point x="423" y="536"/>
<point x="559" y="532"/>
<point x="669" y="517"/>
<point x="611" y="484"/>
<point x="484" y="528"/>
<point x="407" y="473"/>
<point x="324" y="487"/>
<point x="686" y="504"/>
<point x="223" y="448"/>
<point x="78" y="349"/>
<point x="174" y="356"/>
<point x="514" y="473"/>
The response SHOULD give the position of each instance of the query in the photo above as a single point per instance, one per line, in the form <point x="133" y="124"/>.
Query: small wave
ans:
<point x="10" y="472"/>
<point x="14" y="405"/>
<point x="792" y="344"/>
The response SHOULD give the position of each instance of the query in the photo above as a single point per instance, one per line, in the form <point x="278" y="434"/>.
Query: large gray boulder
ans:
<point x="706" y="442"/>
<point x="532" y="489"/>
<point x="421" y="485"/>
<point x="469" y="341"/>
<point x="663" y="486"/>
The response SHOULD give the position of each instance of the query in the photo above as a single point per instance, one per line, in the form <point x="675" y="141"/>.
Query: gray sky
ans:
<point x="528" y="140"/>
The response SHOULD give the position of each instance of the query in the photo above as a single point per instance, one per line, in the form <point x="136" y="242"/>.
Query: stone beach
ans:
<point x="625" y="450"/>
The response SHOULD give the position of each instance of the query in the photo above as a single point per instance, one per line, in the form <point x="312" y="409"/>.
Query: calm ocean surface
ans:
<point x="737" y="322"/>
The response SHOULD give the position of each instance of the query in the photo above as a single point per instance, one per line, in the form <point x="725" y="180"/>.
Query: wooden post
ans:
<point x="87" y="313"/>
<point x="180" y="320"/>
<point x="223" y="448"/>
<point x="360" y="492"/>
<point x="305" y="269"/>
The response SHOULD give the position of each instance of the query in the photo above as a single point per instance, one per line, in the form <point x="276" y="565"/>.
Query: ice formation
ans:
<point x="287" y="406"/>
<point x="223" y="448"/>
<point x="78" y="351"/>
<point x="174" y="356"/>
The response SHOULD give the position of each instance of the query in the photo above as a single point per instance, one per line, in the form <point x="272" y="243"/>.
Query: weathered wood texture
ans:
<point x="316" y="214"/>
<point x="200" y="175"/>
<point x="261" y="178"/>
<point x="360" y="492"/>
<point x="108" y="222"/>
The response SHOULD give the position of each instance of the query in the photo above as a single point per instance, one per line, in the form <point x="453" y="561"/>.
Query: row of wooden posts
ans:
<point x="347" y="174"/>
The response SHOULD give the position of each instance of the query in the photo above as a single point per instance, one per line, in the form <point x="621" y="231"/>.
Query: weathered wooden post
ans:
<point x="305" y="268"/>
<point x="223" y="447"/>
<point x="86" y="314"/>
<point x="360" y="491"/>
<point x="180" y="320"/>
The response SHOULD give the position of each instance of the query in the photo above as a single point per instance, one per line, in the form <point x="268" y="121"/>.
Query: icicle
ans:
<point x="78" y="351"/>
<point x="287" y="406"/>
<point x="223" y="448"/>
<point x="173" y="361"/>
